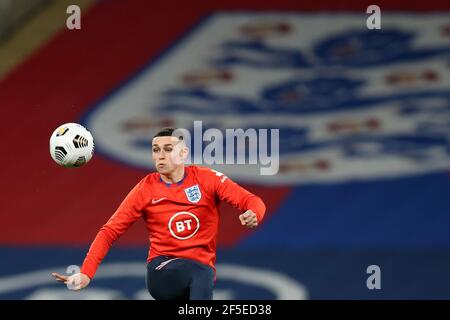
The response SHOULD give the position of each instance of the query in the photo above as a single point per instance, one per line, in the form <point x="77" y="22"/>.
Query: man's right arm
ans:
<point x="126" y="214"/>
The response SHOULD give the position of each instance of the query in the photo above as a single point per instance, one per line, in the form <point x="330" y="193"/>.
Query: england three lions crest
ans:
<point x="193" y="193"/>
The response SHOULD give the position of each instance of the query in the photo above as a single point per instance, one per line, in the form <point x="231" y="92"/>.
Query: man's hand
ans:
<point x="75" y="282"/>
<point x="249" y="219"/>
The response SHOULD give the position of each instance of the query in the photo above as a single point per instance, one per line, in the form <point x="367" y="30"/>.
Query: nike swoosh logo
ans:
<point x="156" y="201"/>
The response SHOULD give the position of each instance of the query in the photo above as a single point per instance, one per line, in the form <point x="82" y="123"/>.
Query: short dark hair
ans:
<point x="167" y="132"/>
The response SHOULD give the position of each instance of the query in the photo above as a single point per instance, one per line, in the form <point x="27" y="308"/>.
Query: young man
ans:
<point x="179" y="205"/>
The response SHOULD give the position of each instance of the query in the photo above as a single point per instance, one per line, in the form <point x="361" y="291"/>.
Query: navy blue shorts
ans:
<point x="171" y="278"/>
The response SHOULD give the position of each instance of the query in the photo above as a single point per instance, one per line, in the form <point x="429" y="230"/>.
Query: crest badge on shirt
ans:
<point x="193" y="193"/>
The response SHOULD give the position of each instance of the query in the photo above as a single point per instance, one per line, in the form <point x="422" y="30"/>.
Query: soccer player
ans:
<point x="179" y="205"/>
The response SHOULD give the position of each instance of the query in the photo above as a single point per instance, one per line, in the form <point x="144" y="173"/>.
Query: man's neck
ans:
<point x="175" y="176"/>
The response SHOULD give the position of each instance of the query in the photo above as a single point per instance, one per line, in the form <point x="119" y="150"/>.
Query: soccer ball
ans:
<point x="71" y="145"/>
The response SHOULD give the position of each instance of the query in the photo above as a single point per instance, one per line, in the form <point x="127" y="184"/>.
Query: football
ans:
<point x="71" y="145"/>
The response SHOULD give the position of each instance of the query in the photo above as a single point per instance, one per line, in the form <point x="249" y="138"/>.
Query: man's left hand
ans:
<point x="249" y="219"/>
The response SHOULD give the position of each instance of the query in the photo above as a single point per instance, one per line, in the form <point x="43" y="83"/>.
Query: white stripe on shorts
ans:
<point x="162" y="265"/>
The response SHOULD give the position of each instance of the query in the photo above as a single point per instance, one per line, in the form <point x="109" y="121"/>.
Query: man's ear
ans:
<point x="184" y="153"/>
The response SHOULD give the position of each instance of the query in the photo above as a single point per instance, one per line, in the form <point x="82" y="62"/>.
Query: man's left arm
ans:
<point x="252" y="206"/>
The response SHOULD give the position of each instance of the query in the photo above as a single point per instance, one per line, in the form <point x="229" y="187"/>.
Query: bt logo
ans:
<point x="183" y="225"/>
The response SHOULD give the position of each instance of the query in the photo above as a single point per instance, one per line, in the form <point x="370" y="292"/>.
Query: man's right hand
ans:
<point x="75" y="282"/>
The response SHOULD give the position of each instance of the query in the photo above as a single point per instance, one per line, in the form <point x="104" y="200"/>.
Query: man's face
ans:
<point x="168" y="154"/>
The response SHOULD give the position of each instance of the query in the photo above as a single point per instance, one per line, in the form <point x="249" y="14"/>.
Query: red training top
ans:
<point x="182" y="218"/>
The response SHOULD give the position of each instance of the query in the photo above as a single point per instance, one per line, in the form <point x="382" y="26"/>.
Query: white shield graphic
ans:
<point x="381" y="116"/>
<point x="193" y="193"/>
